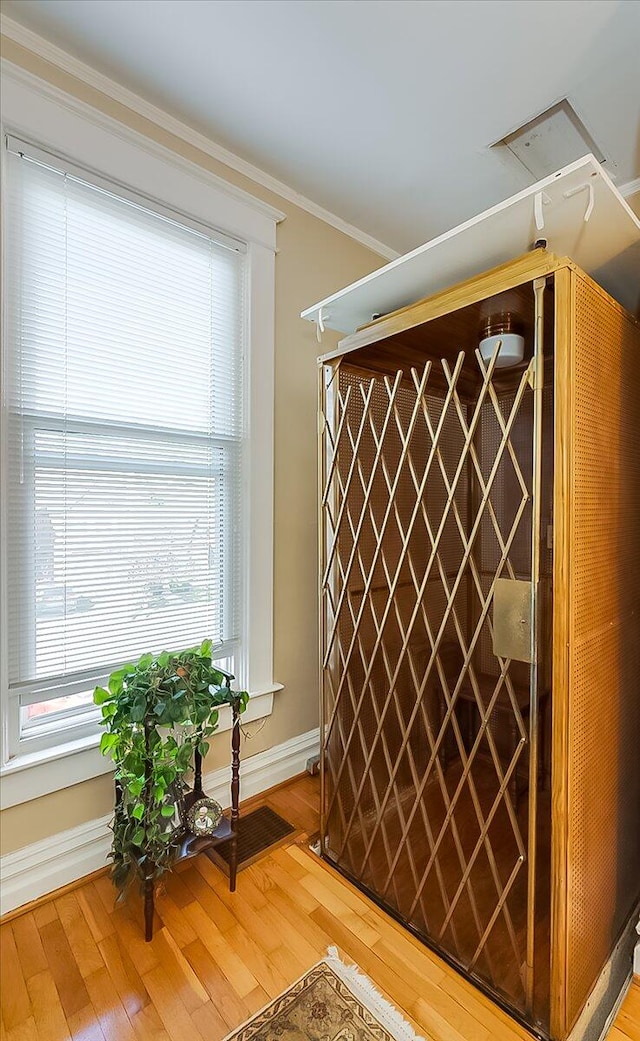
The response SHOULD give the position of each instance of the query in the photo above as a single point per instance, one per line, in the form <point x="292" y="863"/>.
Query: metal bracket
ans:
<point x="591" y="202"/>
<point x="320" y="324"/>
<point x="535" y="375"/>
<point x="540" y="199"/>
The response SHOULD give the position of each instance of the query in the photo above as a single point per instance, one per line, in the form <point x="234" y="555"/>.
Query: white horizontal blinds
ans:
<point x="125" y="420"/>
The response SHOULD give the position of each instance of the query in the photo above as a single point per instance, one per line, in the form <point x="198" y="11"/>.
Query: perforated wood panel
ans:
<point x="604" y="639"/>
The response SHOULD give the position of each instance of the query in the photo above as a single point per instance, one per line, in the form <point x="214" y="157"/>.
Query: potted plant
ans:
<point x="157" y="713"/>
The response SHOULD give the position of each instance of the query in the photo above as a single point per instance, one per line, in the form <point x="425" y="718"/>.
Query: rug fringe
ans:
<point x="388" y="1014"/>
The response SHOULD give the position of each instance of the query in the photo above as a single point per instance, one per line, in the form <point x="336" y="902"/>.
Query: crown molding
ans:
<point x="630" y="188"/>
<point x="116" y="92"/>
<point x="122" y="95"/>
<point x="11" y="73"/>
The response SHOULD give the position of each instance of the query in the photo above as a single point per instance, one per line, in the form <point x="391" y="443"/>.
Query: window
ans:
<point x="125" y="431"/>
<point x="49" y="733"/>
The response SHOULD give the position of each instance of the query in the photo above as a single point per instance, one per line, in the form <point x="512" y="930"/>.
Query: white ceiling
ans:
<point x="381" y="111"/>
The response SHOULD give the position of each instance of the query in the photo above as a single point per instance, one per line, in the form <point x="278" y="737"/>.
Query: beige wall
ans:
<point x="313" y="260"/>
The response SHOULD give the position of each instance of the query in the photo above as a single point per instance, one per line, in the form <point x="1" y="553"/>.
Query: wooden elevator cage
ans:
<point x="480" y="630"/>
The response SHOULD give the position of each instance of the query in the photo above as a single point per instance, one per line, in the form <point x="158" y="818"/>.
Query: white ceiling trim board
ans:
<point x="92" y="78"/>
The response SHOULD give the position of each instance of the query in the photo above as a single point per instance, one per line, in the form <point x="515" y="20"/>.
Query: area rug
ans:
<point x="332" y="1002"/>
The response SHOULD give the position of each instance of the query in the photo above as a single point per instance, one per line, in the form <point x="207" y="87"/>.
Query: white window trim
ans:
<point x="40" y="113"/>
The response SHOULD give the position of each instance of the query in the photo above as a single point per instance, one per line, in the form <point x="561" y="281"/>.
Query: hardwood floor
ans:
<point x="627" y="1024"/>
<point x="75" y="967"/>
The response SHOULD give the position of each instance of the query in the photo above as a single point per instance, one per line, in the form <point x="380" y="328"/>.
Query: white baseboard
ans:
<point x="265" y="769"/>
<point x="41" y="867"/>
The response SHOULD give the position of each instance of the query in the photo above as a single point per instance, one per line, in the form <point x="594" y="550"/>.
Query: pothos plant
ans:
<point x="156" y="712"/>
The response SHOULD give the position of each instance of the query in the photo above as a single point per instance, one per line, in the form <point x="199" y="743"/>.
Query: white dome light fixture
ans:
<point x="505" y="328"/>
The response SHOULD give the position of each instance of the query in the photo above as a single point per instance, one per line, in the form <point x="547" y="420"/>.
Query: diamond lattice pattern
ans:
<point x="426" y="502"/>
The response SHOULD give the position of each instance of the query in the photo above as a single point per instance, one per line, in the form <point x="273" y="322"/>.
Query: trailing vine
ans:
<point x="156" y="712"/>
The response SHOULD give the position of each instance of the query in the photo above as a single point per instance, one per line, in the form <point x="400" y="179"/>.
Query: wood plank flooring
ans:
<point x="627" y="1024"/>
<point x="75" y="968"/>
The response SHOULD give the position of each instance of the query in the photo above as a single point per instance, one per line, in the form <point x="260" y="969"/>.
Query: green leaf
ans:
<point x="203" y="748"/>
<point x="107" y="742"/>
<point x="176" y="712"/>
<point x="167" y="811"/>
<point x="136" y="786"/>
<point x="138" y="811"/>
<point x="100" y="695"/>
<point x="121" y="875"/>
<point x="138" y="837"/>
<point x="115" y="683"/>
<point x="138" y="709"/>
<point x="184" y="757"/>
<point x="144" y="662"/>
<point x="133" y="763"/>
<point x="205" y="648"/>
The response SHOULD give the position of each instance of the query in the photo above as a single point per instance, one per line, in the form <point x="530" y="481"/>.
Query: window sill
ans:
<point x="33" y="774"/>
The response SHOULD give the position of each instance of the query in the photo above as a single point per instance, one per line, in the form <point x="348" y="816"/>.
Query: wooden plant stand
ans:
<point x="191" y="845"/>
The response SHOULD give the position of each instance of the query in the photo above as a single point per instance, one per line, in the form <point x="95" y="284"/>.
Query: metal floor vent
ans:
<point x="257" y="832"/>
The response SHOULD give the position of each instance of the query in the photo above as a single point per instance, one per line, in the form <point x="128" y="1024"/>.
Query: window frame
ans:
<point x="41" y="733"/>
<point x="109" y="154"/>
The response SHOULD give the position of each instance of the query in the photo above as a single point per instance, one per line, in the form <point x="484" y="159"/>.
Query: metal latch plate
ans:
<point x="512" y="622"/>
